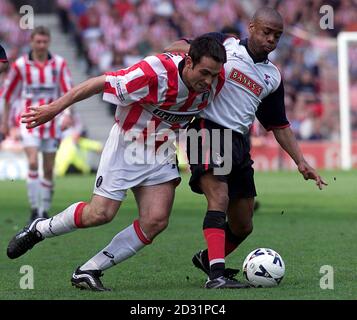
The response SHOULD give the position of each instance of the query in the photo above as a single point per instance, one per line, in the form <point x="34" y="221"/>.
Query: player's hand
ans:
<point x="38" y="115"/>
<point x="310" y="173"/>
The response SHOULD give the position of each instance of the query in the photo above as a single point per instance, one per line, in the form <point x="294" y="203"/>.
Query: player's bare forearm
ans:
<point x="288" y="142"/>
<point x="178" y="46"/>
<point x="80" y="92"/>
<point x="41" y="114"/>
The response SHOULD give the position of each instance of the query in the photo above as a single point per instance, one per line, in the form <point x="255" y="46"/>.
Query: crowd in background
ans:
<point x="112" y="34"/>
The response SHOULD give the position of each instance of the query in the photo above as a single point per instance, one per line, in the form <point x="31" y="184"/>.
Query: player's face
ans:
<point x="264" y="36"/>
<point x="40" y="44"/>
<point x="200" y="76"/>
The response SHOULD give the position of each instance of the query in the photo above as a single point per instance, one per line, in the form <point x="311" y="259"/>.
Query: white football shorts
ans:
<point x="44" y="145"/>
<point x="117" y="171"/>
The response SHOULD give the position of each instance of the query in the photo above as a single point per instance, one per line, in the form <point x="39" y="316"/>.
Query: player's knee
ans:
<point x="156" y="225"/>
<point x="243" y="230"/>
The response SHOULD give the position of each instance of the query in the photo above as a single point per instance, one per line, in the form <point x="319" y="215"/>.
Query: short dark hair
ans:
<point x="231" y="31"/>
<point x="207" y="46"/>
<point x="42" y="30"/>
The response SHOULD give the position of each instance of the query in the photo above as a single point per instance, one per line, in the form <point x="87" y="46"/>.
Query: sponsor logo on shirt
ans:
<point x="244" y="80"/>
<point x="120" y="91"/>
<point x="36" y="91"/>
<point x="169" y="117"/>
<point x="99" y="181"/>
<point x="235" y="54"/>
<point x="266" y="80"/>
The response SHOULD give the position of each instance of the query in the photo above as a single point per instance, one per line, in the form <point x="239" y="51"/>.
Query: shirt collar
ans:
<point x="49" y="56"/>
<point x="244" y="43"/>
<point x="181" y="66"/>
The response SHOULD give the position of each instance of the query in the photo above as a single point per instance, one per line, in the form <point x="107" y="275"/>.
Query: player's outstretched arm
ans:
<point x="178" y="46"/>
<point x="41" y="114"/>
<point x="287" y="140"/>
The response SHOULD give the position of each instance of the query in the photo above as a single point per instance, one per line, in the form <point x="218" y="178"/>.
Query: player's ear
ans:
<point x="251" y="27"/>
<point x="188" y="62"/>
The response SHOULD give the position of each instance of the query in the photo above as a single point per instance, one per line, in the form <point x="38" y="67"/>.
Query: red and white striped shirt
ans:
<point x="152" y="90"/>
<point x="38" y="84"/>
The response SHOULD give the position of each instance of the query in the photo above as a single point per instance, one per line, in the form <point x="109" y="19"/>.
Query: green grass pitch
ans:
<point x="308" y="227"/>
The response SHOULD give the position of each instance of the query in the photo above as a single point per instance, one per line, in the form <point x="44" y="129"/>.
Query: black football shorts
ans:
<point x="205" y="157"/>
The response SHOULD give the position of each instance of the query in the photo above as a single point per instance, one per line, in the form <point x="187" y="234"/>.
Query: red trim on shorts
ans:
<point x="78" y="214"/>
<point x="33" y="175"/>
<point x="140" y="233"/>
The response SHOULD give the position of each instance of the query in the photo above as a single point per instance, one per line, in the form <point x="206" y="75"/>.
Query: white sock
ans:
<point x="61" y="223"/>
<point x="33" y="189"/>
<point x="46" y="196"/>
<point x="124" y="245"/>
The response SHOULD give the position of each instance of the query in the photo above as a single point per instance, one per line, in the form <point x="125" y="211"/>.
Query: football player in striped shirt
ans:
<point x="37" y="78"/>
<point x="165" y="91"/>
<point x="253" y="88"/>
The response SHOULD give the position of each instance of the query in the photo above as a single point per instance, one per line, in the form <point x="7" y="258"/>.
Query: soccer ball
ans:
<point x="263" y="267"/>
